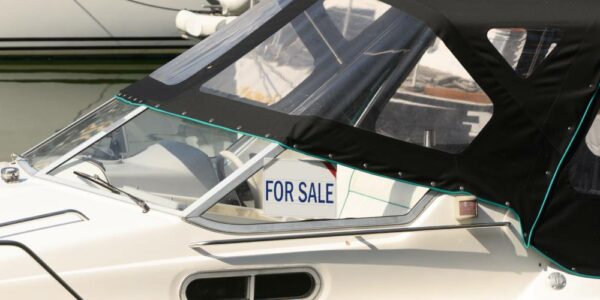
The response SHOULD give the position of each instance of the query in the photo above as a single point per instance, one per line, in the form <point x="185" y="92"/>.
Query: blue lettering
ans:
<point x="289" y="188"/>
<point x="312" y="194"/>
<point x="268" y="188"/>
<point x="278" y="193"/>
<point x="329" y="193"/>
<point x="320" y="198"/>
<point x="301" y="187"/>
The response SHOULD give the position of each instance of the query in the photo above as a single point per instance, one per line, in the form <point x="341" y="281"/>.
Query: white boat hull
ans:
<point x="117" y="252"/>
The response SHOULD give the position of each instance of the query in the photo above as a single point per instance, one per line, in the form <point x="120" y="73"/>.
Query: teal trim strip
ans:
<point x="189" y="119"/>
<point x="347" y="194"/>
<point x="380" y="200"/>
<point x="507" y="207"/>
<point x="350" y="191"/>
<point x="559" y="165"/>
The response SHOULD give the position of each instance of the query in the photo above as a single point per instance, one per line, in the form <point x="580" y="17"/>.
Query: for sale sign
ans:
<point x="299" y="188"/>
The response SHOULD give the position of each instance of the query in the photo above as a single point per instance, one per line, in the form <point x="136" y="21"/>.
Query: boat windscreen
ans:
<point x="73" y="136"/>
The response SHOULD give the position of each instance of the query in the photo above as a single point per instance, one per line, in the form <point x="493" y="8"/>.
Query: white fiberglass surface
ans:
<point x="163" y="160"/>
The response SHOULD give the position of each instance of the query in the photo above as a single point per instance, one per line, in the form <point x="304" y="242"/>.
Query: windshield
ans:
<point x="160" y="159"/>
<point x="76" y="134"/>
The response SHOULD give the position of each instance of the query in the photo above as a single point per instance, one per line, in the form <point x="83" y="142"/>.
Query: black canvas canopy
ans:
<point x="520" y="159"/>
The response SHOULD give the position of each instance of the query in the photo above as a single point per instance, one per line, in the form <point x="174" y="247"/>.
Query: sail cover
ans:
<point x="361" y="85"/>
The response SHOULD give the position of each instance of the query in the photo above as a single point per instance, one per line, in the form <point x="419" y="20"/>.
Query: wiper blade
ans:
<point x="115" y="190"/>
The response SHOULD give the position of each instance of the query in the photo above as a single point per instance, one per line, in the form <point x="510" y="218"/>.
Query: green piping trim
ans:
<point x="380" y="200"/>
<point x="364" y="195"/>
<point x="559" y="165"/>
<point x="518" y="217"/>
<point x="189" y="119"/>
<point x="347" y="194"/>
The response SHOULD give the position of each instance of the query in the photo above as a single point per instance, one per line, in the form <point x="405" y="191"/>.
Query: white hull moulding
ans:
<point x="93" y="27"/>
<point x="200" y="25"/>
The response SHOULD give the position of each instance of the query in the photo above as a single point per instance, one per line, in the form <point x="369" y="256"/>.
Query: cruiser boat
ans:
<point x="329" y="149"/>
<point x="93" y="27"/>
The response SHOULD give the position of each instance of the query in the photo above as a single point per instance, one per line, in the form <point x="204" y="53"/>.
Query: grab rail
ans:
<point x="52" y="214"/>
<point x="43" y="265"/>
<point x="366" y="231"/>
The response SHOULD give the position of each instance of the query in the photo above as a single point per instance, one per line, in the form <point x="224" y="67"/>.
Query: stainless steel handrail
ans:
<point x="43" y="265"/>
<point x="42" y="216"/>
<point x="366" y="231"/>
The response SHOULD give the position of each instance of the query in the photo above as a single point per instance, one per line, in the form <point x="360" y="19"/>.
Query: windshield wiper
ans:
<point x="97" y="180"/>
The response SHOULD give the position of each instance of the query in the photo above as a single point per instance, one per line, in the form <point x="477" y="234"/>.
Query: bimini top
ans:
<point x="492" y="98"/>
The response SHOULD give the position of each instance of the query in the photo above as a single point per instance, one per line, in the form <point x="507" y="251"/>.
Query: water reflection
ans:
<point x="38" y="97"/>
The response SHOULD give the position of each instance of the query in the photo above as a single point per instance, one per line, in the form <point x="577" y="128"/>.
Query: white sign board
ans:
<point x="299" y="188"/>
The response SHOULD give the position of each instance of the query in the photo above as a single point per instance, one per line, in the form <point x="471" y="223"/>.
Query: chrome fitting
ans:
<point x="10" y="174"/>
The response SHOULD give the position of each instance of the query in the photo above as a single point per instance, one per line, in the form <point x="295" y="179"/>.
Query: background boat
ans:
<point x="93" y="27"/>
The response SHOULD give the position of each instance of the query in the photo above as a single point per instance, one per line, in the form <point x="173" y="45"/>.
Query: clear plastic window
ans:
<point x="307" y="65"/>
<point x="524" y="49"/>
<point x="438" y="105"/>
<point x="283" y="62"/>
<point x="357" y="195"/>
<point x="268" y="72"/>
<point x="80" y="132"/>
<point x="389" y="74"/>
<point x="217" y="44"/>
<point x="161" y="159"/>
<point x="352" y="17"/>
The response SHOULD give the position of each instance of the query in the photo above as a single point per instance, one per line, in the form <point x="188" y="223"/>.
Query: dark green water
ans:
<point x="38" y="97"/>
